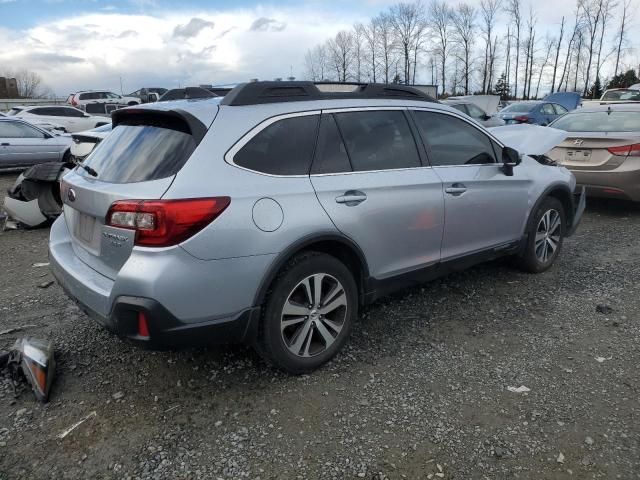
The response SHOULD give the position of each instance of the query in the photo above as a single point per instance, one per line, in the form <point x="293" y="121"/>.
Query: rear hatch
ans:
<point x="138" y="160"/>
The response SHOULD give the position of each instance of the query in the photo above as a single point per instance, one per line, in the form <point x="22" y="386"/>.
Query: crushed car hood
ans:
<point x="529" y="139"/>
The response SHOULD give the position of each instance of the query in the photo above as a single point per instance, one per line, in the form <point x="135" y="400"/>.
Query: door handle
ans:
<point x="352" y="198"/>
<point x="456" y="189"/>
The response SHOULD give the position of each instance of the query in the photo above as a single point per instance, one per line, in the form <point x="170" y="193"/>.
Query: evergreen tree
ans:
<point x="595" y="91"/>
<point x="502" y="88"/>
<point x="624" y="80"/>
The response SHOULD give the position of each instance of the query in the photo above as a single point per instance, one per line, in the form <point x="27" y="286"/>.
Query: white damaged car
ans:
<point x="34" y="198"/>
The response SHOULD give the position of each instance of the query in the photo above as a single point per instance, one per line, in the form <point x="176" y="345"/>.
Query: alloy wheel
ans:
<point x="313" y="315"/>
<point x="548" y="235"/>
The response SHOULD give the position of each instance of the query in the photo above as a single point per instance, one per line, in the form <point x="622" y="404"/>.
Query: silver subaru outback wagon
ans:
<point x="272" y="215"/>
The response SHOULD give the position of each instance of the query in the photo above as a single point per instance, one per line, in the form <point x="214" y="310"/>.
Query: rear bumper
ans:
<point x="166" y="331"/>
<point x="622" y="183"/>
<point x="116" y="304"/>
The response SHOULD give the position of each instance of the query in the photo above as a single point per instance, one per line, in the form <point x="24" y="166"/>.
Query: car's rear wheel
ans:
<point x="309" y="313"/>
<point x="545" y="236"/>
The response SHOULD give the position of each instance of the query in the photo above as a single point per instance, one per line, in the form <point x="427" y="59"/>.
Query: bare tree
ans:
<point x="358" y="51"/>
<point x="591" y="16"/>
<point x="621" y="37"/>
<point x="578" y="49"/>
<point x="488" y="12"/>
<point x="440" y="21"/>
<point x="507" y="66"/>
<point x="607" y="8"/>
<point x="386" y="44"/>
<point x="567" y="63"/>
<point x="316" y="63"/>
<point x="369" y="33"/>
<point x="408" y="23"/>
<point x="530" y="51"/>
<point x="464" y="25"/>
<point x="513" y="9"/>
<point x="341" y="54"/>
<point x="558" y="44"/>
<point x="29" y="83"/>
<point x="549" y="44"/>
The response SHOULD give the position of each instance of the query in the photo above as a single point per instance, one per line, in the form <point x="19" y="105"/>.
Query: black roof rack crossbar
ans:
<point x="256" y="93"/>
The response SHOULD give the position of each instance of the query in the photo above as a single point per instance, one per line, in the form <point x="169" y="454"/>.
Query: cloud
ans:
<point x="51" y="58"/>
<point x="264" y="24"/>
<point x="127" y="34"/>
<point x="93" y="50"/>
<point x="192" y="29"/>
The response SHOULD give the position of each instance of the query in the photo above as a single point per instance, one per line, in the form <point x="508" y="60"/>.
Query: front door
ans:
<point x="484" y="208"/>
<point x="370" y="180"/>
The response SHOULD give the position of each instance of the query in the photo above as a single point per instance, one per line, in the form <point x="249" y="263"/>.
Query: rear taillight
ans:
<point x="522" y="119"/>
<point x="163" y="223"/>
<point x="73" y="102"/>
<point x="626" y="150"/>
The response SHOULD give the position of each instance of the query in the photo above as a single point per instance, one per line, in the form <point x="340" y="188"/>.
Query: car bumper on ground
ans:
<point x="101" y="299"/>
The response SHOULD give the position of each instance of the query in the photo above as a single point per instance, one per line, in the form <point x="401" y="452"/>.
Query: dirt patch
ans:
<point x="420" y="390"/>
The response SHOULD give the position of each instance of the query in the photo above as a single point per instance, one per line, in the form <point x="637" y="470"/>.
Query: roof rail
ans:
<point x="256" y="93"/>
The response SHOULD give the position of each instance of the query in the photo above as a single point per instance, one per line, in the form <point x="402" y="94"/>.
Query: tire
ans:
<point x="312" y="336"/>
<point x="539" y="253"/>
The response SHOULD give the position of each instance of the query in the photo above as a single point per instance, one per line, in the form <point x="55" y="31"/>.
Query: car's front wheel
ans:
<point x="309" y="313"/>
<point x="545" y="236"/>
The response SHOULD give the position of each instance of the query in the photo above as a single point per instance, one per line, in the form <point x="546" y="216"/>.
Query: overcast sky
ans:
<point x="89" y="44"/>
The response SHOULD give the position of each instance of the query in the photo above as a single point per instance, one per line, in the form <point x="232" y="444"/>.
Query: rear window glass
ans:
<point x="614" y="95"/>
<point x="599" y="122"/>
<point x="522" y="107"/>
<point x="283" y="148"/>
<point x="139" y="153"/>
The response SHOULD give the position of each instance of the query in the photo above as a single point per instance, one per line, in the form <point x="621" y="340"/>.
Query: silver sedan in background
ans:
<point x="23" y="145"/>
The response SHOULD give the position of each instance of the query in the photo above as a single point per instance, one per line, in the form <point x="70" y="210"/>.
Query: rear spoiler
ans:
<point x="176" y="119"/>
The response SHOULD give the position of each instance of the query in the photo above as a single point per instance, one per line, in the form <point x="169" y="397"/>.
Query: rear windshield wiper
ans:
<point x="86" y="168"/>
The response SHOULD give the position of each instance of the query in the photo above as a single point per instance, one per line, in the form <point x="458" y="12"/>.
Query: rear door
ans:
<point x="370" y="180"/>
<point x="136" y="161"/>
<point x="485" y="209"/>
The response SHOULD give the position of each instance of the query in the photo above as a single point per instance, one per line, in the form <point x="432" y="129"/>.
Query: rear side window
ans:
<point x="283" y="148"/>
<point x="560" y="110"/>
<point x="378" y="140"/>
<point x="453" y="141"/>
<point x="18" y="130"/>
<point x="331" y="154"/>
<point x="70" y="112"/>
<point x="139" y="153"/>
<point x="547" y="109"/>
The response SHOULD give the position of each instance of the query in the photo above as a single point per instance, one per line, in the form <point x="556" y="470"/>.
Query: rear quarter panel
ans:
<point x="235" y="233"/>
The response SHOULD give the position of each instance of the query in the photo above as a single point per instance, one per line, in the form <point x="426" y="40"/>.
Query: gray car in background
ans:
<point x="271" y="215"/>
<point x="23" y="144"/>
<point x="475" y="112"/>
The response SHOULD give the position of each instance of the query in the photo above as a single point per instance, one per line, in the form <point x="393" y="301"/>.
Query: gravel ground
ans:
<point x="421" y="391"/>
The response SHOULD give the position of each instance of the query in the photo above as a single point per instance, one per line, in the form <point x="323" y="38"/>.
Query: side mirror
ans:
<point x="486" y="117"/>
<point x="510" y="158"/>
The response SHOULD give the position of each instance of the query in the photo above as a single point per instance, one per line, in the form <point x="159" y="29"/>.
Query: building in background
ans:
<point x="8" y="87"/>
